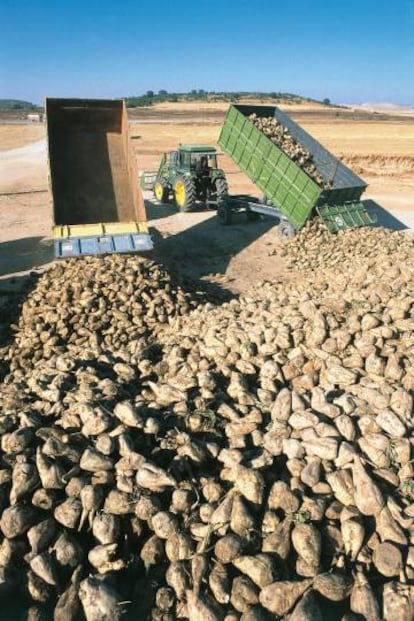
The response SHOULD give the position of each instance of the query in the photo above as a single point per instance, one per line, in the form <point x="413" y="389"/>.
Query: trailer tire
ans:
<point x="285" y="231"/>
<point x="252" y="216"/>
<point x="161" y="190"/>
<point x="184" y="193"/>
<point x="224" y="213"/>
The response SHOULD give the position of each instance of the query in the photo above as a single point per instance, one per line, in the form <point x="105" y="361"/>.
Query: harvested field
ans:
<point x="13" y="136"/>
<point x="387" y="166"/>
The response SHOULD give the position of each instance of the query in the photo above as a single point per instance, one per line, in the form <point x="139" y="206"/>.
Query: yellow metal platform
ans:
<point x="101" y="228"/>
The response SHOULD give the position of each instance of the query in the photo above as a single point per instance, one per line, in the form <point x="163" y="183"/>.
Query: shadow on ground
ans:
<point x="13" y="293"/>
<point x="20" y="255"/>
<point x="384" y="217"/>
<point x="24" y="254"/>
<point x="156" y="211"/>
<point x="206" y="248"/>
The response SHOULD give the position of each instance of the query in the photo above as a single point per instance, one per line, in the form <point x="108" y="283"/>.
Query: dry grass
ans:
<point x="155" y="138"/>
<point x="371" y="149"/>
<point x="14" y="136"/>
<point x="390" y="138"/>
<point x="200" y="106"/>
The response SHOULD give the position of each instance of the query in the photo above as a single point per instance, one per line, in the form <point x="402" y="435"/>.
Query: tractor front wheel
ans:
<point x="184" y="193"/>
<point x="222" y="189"/>
<point x="161" y="190"/>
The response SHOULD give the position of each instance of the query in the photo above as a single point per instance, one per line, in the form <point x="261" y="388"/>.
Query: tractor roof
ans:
<point x="197" y="148"/>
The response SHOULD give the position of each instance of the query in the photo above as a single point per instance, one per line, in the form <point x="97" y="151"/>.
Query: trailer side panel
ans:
<point x="90" y="162"/>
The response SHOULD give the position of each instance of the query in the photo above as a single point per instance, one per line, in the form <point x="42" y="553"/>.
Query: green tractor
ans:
<point x="190" y="174"/>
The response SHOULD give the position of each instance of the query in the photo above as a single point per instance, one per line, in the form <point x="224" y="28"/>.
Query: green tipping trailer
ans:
<point x="289" y="192"/>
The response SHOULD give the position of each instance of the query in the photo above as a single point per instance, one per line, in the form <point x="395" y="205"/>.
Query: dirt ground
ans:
<point x="15" y="135"/>
<point x="377" y="146"/>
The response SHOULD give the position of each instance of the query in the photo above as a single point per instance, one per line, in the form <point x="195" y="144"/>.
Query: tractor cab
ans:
<point x="197" y="158"/>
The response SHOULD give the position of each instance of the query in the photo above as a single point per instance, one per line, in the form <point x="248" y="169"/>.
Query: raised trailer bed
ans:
<point x="97" y="203"/>
<point x="289" y="192"/>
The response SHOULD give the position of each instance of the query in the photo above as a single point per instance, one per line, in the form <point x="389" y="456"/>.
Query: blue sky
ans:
<point x="350" y="51"/>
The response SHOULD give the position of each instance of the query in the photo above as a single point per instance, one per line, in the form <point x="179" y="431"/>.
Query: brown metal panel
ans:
<point x="93" y="172"/>
<point x="132" y="168"/>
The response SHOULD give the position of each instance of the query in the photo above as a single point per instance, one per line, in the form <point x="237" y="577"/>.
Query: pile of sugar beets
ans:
<point x="280" y="135"/>
<point x="164" y="458"/>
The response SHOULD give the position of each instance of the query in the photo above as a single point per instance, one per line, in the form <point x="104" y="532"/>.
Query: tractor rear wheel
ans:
<point x="161" y="190"/>
<point x="184" y="193"/>
<point x="222" y="189"/>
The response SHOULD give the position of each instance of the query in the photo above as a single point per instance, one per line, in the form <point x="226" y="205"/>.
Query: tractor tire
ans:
<point x="222" y="189"/>
<point x="184" y="193"/>
<point x="224" y="213"/>
<point x="161" y="190"/>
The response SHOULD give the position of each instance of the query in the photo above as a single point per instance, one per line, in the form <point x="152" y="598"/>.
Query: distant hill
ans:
<point x="17" y="104"/>
<point x="150" y="97"/>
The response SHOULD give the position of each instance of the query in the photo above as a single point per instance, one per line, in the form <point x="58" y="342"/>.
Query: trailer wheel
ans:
<point x="224" y="213"/>
<point x="161" y="190"/>
<point x="252" y="216"/>
<point x="285" y="231"/>
<point x="184" y="193"/>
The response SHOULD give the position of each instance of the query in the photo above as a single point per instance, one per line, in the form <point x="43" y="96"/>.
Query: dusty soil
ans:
<point x="377" y="146"/>
<point x="16" y="135"/>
